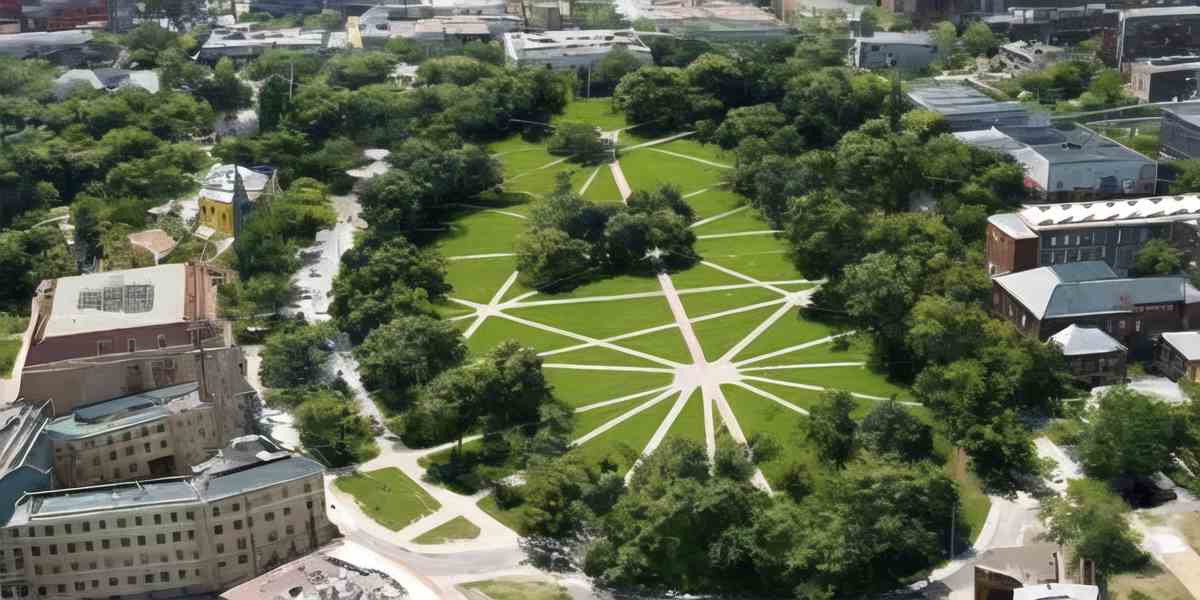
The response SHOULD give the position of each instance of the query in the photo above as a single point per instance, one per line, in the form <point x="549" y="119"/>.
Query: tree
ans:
<point x="357" y="69"/>
<point x="548" y="258"/>
<point x="1188" y="178"/>
<point x="890" y="430"/>
<point x="1002" y="453"/>
<point x="979" y="40"/>
<point x="826" y="234"/>
<point x="86" y="215"/>
<point x="658" y="97"/>
<point x="718" y="76"/>
<point x="459" y="70"/>
<point x="380" y="281"/>
<point x="616" y="64"/>
<point x="1093" y="522"/>
<point x="831" y="429"/>
<point x="630" y="237"/>
<point x="1158" y="257"/>
<point x="1107" y="86"/>
<point x="224" y="91"/>
<point x="760" y="120"/>
<point x="1128" y="435"/>
<point x="579" y="141"/>
<point x="408" y="351"/>
<point x="331" y="428"/>
<point x="665" y="197"/>
<point x="295" y="357"/>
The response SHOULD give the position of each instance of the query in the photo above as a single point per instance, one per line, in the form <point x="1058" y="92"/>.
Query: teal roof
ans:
<point x="118" y="413"/>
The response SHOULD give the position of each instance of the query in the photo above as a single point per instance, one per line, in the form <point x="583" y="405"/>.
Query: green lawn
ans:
<point x="745" y="220"/>
<point x="581" y="388"/>
<point x="714" y="202"/>
<point x="858" y="351"/>
<point x="691" y="147"/>
<point x="852" y="379"/>
<point x="511" y="517"/>
<point x="603" y="188"/>
<point x="519" y="589"/>
<point x="721" y="334"/>
<point x="478" y="280"/>
<point x="388" y="496"/>
<point x="495" y="330"/>
<point x="456" y="529"/>
<point x="601" y="319"/>
<point x="599" y="355"/>
<point x="480" y="232"/>
<point x="666" y="344"/>
<point x="645" y="169"/>
<point x="9" y="348"/>
<point x="790" y="330"/>
<point x="689" y="425"/>
<point x="606" y="286"/>
<point x="594" y="111"/>
<point x="624" y="443"/>
<point x="757" y="414"/>
<point x="701" y="275"/>
<point x="707" y="303"/>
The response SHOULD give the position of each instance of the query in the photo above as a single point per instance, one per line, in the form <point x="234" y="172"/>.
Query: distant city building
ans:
<point x="382" y="23"/>
<point x="908" y="51"/>
<point x="967" y="109"/>
<point x="1044" y="301"/>
<point x="1165" y="79"/>
<point x="283" y="8"/>
<point x="244" y="44"/>
<point x="245" y="511"/>
<point x="1159" y="32"/>
<point x="1022" y="57"/>
<point x="1093" y="357"/>
<point x="68" y="48"/>
<point x="229" y="192"/>
<point x="1054" y="22"/>
<point x="570" y="49"/>
<point x="1113" y="232"/>
<point x="715" y="21"/>
<point x="1065" y="164"/>
<point x="105" y="79"/>
<point x="1178" y="355"/>
<point x="1179" y="135"/>
<point x="924" y="12"/>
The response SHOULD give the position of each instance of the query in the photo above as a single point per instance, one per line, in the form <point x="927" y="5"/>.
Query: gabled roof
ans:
<point x="1066" y="290"/>
<point x="1186" y="342"/>
<point x="1081" y="341"/>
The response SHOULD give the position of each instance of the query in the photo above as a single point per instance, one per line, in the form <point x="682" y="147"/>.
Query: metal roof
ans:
<point x="1186" y="342"/>
<point x="1081" y="341"/>
<point x="1046" y="294"/>
<point x="1155" y="209"/>
<point x="1188" y="112"/>
<point x="239" y="481"/>
<point x="1088" y="270"/>
<point x="1012" y="225"/>
<point x="111" y="497"/>
<point x="119" y="413"/>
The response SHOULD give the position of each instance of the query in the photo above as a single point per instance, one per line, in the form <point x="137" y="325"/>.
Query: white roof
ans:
<point x="1186" y="342"/>
<point x="218" y="183"/>
<point x="520" y="45"/>
<point x="72" y="311"/>
<point x="1078" y="341"/>
<point x="1057" y="591"/>
<point x="1138" y="210"/>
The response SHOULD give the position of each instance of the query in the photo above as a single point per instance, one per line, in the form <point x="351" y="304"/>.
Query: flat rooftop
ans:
<point x="294" y="37"/>
<point x="118" y="300"/>
<point x="915" y="38"/>
<point x="573" y="42"/>
<point x="1188" y="112"/>
<point x="1057" y="146"/>
<point x="127" y="411"/>
<point x="953" y="100"/>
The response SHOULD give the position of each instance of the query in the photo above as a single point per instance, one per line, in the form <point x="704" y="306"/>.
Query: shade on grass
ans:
<point x="625" y="442"/>
<point x="719" y="335"/>
<point x="581" y="388"/>
<point x="599" y="355"/>
<point x="810" y="399"/>
<point x="691" y="147"/>
<point x="756" y="414"/>
<point x="707" y="303"/>
<point x="593" y="111"/>
<point x="790" y="330"/>
<point x="773" y="265"/>
<point x="700" y="275"/>
<point x="603" y="188"/>
<point x="605" y="285"/>
<point x="713" y="202"/>
<point x="689" y="425"/>
<point x="511" y="517"/>
<point x="481" y="232"/>
<point x="601" y="319"/>
<point x="388" y="496"/>
<point x="540" y="181"/>
<point x="645" y="169"/>
<point x="720" y="248"/>
<point x="519" y="589"/>
<point x="495" y="330"/>
<point x="478" y="280"/>
<point x="456" y="529"/>
<point x="859" y="351"/>
<point x="852" y="379"/>
<point x="667" y="344"/>
<point x="517" y="156"/>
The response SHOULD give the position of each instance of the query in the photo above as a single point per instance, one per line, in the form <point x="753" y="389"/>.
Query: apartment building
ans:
<point x="245" y="511"/>
<point x="570" y="49"/>
<point x="908" y="51"/>
<point x="1109" y="231"/>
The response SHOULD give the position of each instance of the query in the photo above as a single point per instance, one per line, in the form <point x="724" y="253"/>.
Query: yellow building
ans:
<point x="227" y="193"/>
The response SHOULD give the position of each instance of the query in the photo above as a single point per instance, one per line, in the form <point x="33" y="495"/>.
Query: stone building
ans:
<point x="245" y="511"/>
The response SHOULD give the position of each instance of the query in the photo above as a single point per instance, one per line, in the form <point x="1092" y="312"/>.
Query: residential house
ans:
<point x="1179" y="136"/>
<point x="578" y="49"/>
<point x="1093" y="357"/>
<point x="1044" y="301"/>
<point x="1110" y="231"/>
<point x="907" y="51"/>
<point x="1063" y="165"/>
<point x="1178" y="355"/>
<point x="968" y="109"/>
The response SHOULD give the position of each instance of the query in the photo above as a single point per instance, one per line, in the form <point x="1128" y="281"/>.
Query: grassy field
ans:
<point x="519" y="589"/>
<point x="511" y="518"/>
<point x="1154" y="581"/>
<point x="388" y="496"/>
<point x="454" y="530"/>
<point x="9" y="348"/>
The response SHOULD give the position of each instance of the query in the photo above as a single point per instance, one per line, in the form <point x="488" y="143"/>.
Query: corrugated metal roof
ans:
<point x="1186" y="342"/>
<point x="236" y="482"/>
<point x="1080" y="341"/>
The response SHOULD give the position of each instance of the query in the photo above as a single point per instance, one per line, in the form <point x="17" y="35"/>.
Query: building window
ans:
<point x="103" y="347"/>
<point x="176" y="536"/>
<point x="161" y="538"/>
<point x="158" y="519"/>
<point x="162" y="341"/>
<point x="242" y="559"/>
<point x="218" y="529"/>
<point x="104" y="544"/>
<point x="131" y="345"/>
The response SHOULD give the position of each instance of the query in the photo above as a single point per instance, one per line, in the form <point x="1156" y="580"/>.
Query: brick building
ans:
<point x="1093" y="357"/>
<point x="1178" y="355"/>
<point x="1044" y="301"/>
<point x="1109" y="231"/>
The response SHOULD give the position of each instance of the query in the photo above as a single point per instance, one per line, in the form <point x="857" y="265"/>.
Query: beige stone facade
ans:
<point x="247" y="511"/>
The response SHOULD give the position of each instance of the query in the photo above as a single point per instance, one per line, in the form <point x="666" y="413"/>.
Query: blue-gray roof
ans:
<point x="252" y="477"/>
<point x="1088" y="270"/>
<point x="119" y="413"/>
<point x="110" y="497"/>
<point x="1047" y="294"/>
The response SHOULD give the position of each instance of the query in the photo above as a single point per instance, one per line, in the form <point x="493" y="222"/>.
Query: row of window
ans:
<point x="1058" y="257"/>
<point x="105" y="346"/>
<point x="148" y="578"/>
<point x="102" y="524"/>
<point x="125" y="437"/>
<point x="105" y="544"/>
<point x="1122" y="235"/>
